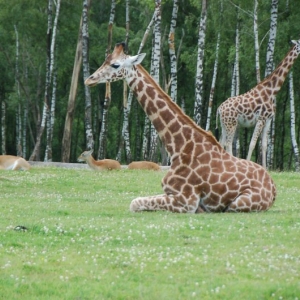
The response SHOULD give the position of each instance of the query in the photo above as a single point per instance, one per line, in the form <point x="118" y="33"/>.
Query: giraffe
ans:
<point x="202" y="177"/>
<point x="256" y="107"/>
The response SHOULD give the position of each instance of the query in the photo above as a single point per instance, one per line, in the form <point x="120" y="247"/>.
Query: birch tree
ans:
<point x="269" y="69"/>
<point x="154" y="72"/>
<point x="3" y="126"/>
<point x="293" y="121"/>
<point x="235" y="86"/>
<point x="36" y="151"/>
<point x="18" y="110"/>
<point x="256" y="44"/>
<point x="125" y="140"/>
<point x="51" y="111"/>
<point x="104" y="125"/>
<point x="200" y="62"/>
<point x="86" y="74"/>
<point x="215" y="72"/>
<point x="173" y="60"/>
<point x="66" y="141"/>
<point x="149" y="133"/>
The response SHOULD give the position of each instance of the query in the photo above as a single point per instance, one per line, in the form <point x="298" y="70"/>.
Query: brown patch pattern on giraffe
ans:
<point x="202" y="177"/>
<point x="256" y="107"/>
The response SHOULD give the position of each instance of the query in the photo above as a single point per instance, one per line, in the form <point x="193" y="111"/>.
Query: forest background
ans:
<point x="43" y="42"/>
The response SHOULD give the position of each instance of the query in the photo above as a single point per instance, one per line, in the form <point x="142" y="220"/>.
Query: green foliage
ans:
<point x="83" y="242"/>
<point x="30" y="18"/>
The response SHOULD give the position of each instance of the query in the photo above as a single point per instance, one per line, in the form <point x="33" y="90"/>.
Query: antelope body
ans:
<point x="98" y="165"/>
<point x="11" y="162"/>
<point x="144" y="165"/>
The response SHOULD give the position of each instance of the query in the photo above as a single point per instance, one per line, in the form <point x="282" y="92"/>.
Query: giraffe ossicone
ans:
<point x="256" y="107"/>
<point x="202" y="177"/>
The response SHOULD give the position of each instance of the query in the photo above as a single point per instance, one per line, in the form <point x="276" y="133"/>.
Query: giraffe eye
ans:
<point x="115" y="66"/>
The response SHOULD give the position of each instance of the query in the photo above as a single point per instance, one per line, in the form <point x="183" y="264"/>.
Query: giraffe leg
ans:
<point x="258" y="128"/>
<point x="247" y="202"/>
<point x="227" y="136"/>
<point x="165" y="202"/>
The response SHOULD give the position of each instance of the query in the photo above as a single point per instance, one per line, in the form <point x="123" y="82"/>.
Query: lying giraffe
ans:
<point x="256" y="107"/>
<point x="202" y="177"/>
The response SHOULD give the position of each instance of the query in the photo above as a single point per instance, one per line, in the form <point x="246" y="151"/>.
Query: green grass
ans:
<point x="83" y="242"/>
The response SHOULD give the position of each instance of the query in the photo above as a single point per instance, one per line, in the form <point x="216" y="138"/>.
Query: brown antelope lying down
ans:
<point x="98" y="165"/>
<point x="10" y="162"/>
<point x="144" y="165"/>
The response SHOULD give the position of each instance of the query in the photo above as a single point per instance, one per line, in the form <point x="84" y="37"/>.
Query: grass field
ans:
<point x="82" y="242"/>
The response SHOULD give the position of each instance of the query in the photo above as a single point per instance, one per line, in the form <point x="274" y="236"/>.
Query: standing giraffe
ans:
<point x="202" y="177"/>
<point x="256" y="107"/>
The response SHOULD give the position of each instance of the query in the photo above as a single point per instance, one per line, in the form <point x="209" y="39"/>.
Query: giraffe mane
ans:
<point x="178" y="110"/>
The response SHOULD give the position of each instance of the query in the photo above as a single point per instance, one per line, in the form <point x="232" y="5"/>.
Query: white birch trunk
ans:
<point x="3" y="127"/>
<point x="147" y="126"/>
<point x="213" y="84"/>
<point x="86" y="74"/>
<point x="173" y="60"/>
<point x="269" y="69"/>
<point x="18" y="111"/>
<point x="36" y="151"/>
<point x="104" y="125"/>
<point x="256" y="44"/>
<point x="50" y="118"/>
<point x="236" y="80"/>
<point x="154" y="72"/>
<point x="293" y="122"/>
<point x="124" y="139"/>
<point x="200" y="62"/>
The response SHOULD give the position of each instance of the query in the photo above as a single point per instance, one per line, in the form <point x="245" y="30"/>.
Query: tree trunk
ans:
<point x="293" y="122"/>
<point x="103" y="132"/>
<point x="124" y="139"/>
<point x="147" y="123"/>
<point x="236" y="82"/>
<point x="36" y="151"/>
<point x="154" y="72"/>
<point x="269" y="69"/>
<point x="51" y="111"/>
<point x="66" y="141"/>
<point x="173" y="60"/>
<point x="200" y="62"/>
<point x="256" y="44"/>
<point x="86" y="74"/>
<point x="3" y="127"/>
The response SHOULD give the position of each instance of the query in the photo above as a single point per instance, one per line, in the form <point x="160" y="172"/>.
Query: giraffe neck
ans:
<point x="276" y="79"/>
<point x="174" y="128"/>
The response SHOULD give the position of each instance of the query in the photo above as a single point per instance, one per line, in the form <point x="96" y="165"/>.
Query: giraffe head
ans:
<point x="116" y="66"/>
<point x="297" y="45"/>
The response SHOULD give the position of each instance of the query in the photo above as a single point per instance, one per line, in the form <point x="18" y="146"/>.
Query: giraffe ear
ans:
<point x="294" y="42"/>
<point x="135" y="60"/>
